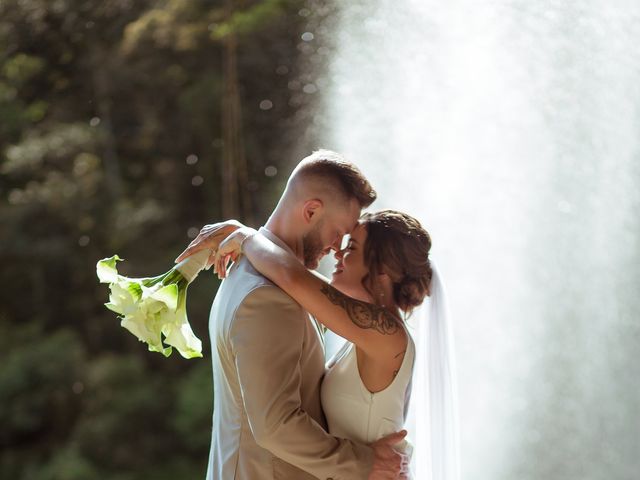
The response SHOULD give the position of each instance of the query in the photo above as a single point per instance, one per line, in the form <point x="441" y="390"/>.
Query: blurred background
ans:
<point x="509" y="128"/>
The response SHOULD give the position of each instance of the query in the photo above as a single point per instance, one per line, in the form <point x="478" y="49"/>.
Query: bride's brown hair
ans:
<point x="398" y="246"/>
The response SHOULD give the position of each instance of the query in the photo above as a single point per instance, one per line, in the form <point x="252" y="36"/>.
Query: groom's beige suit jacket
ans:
<point x="268" y="364"/>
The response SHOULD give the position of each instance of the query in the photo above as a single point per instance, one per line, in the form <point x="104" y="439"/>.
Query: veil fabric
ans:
<point x="432" y="420"/>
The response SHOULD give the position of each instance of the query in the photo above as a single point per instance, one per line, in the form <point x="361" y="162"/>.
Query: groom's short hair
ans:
<point x="335" y="172"/>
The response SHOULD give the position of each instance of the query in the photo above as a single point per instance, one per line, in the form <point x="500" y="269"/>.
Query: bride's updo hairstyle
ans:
<point x="398" y="246"/>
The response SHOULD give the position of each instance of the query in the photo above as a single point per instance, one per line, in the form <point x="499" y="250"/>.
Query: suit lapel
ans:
<point x="319" y="329"/>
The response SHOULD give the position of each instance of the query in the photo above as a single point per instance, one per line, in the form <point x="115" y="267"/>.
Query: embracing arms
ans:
<point x="372" y="328"/>
<point x="266" y="340"/>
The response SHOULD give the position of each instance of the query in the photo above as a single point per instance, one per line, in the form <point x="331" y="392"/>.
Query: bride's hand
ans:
<point x="230" y="249"/>
<point x="210" y="237"/>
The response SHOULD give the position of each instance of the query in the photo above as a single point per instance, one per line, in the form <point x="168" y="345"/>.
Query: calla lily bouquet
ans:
<point x="155" y="307"/>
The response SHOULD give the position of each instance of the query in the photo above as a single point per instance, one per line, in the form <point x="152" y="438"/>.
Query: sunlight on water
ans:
<point x="511" y="130"/>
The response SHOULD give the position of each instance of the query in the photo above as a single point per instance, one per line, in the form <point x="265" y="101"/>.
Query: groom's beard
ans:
<point x="312" y="248"/>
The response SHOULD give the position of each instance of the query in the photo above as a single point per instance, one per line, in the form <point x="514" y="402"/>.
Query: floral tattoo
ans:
<point x="363" y="314"/>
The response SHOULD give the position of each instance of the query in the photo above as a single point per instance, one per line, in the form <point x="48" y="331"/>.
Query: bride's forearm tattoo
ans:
<point x="362" y="314"/>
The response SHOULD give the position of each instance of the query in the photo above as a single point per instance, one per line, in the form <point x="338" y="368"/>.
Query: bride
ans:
<point x="380" y="277"/>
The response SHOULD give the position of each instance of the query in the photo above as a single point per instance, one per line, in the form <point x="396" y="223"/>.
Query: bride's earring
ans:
<point x="381" y="301"/>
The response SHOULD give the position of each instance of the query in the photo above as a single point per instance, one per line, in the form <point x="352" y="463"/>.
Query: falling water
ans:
<point x="511" y="129"/>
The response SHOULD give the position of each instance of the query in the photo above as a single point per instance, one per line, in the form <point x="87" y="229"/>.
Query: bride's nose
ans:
<point x="339" y="254"/>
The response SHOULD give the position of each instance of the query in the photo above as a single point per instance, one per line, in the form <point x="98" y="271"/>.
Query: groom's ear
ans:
<point x="311" y="210"/>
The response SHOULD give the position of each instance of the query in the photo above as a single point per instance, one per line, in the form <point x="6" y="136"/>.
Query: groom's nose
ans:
<point x="338" y="254"/>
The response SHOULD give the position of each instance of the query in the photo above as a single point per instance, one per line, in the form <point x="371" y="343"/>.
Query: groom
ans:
<point x="268" y="353"/>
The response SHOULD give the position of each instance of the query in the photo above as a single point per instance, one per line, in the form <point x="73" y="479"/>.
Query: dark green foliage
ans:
<point x="101" y="105"/>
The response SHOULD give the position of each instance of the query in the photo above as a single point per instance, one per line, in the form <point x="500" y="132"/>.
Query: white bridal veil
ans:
<point x="432" y="420"/>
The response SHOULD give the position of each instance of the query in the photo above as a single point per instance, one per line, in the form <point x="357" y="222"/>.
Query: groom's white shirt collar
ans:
<point x="277" y="240"/>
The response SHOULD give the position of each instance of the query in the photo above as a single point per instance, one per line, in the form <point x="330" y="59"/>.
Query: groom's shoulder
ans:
<point x="246" y="283"/>
<point x="247" y="276"/>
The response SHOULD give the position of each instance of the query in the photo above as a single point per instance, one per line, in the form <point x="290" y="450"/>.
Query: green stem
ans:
<point x="173" y="276"/>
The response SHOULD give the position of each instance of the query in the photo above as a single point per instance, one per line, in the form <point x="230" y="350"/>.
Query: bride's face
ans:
<point x="350" y="268"/>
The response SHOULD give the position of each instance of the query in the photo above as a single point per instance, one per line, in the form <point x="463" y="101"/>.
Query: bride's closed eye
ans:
<point x="351" y="244"/>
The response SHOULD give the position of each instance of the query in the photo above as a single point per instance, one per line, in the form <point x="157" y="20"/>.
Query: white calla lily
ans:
<point x="151" y="308"/>
<point x="178" y="333"/>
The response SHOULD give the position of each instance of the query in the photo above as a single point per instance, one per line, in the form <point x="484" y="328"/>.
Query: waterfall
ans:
<point x="511" y="129"/>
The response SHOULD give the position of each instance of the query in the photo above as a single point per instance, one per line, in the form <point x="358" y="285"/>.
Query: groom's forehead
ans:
<point x="350" y="220"/>
<point x="354" y="210"/>
<point x="345" y="215"/>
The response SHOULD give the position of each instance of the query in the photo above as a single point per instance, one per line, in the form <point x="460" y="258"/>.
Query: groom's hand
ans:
<point x="389" y="464"/>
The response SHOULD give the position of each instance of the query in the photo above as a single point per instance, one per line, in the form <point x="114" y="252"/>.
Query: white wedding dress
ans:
<point x="427" y="374"/>
<point x="353" y="412"/>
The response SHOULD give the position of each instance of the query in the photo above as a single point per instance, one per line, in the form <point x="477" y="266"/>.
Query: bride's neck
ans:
<point x="384" y="301"/>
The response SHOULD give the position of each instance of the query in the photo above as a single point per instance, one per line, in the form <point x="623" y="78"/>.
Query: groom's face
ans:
<point x="327" y="233"/>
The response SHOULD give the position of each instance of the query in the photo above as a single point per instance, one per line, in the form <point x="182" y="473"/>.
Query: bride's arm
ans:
<point x="210" y="236"/>
<point x="369" y="326"/>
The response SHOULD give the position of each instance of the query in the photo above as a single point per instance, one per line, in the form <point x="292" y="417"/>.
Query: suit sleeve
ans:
<point x="267" y="336"/>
